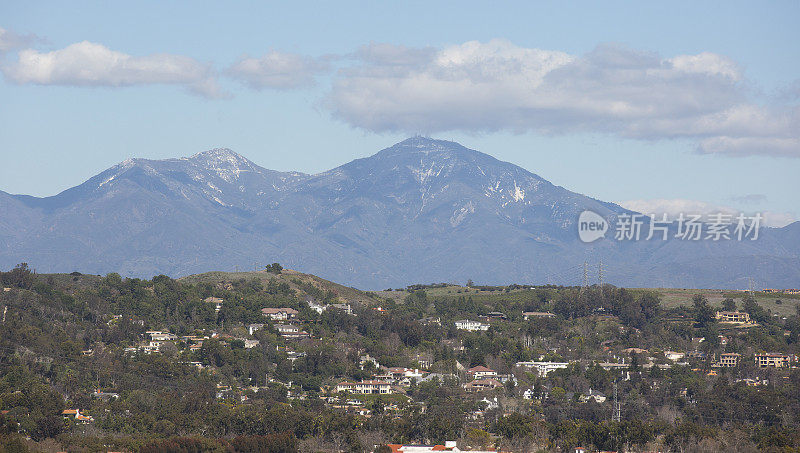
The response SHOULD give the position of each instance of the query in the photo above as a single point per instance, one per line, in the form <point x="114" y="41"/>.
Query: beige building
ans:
<point x="365" y="387"/>
<point x="733" y="317"/>
<point x="728" y="360"/>
<point x="480" y="385"/>
<point x="772" y="360"/>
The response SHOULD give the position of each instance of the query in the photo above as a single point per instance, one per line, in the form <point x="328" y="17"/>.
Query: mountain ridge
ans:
<point x="421" y="210"/>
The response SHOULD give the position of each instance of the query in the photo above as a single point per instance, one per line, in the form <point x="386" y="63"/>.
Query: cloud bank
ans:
<point x="90" y="64"/>
<point x="278" y="70"/>
<point x="476" y="87"/>
<point x="498" y="86"/>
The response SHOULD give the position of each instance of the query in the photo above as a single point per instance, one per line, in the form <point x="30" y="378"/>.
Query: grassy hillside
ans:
<point x="303" y="284"/>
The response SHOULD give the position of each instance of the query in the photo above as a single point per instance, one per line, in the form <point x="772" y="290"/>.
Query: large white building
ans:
<point x="365" y="387"/>
<point x="543" y="368"/>
<point x="472" y="326"/>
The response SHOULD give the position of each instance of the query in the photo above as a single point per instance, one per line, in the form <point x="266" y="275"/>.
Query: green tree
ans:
<point x="703" y="313"/>
<point x="729" y="304"/>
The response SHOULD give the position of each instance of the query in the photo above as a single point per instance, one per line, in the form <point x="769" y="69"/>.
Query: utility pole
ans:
<point x="750" y="287"/>
<point x="616" y="416"/>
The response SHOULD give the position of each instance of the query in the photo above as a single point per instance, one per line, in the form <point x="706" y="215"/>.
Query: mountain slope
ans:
<point x="422" y="210"/>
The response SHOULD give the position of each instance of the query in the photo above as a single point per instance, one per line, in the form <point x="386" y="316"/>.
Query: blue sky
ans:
<point x="673" y="106"/>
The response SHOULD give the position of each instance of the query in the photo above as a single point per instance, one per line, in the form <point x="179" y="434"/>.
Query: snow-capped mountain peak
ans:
<point x="225" y="163"/>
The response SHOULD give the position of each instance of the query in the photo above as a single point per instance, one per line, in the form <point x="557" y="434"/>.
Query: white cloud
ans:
<point x="90" y="64"/>
<point x="674" y="207"/>
<point x="747" y="146"/>
<point x="278" y="70"/>
<point x="707" y="63"/>
<point x="485" y="87"/>
<point x="750" y="198"/>
<point x="11" y="41"/>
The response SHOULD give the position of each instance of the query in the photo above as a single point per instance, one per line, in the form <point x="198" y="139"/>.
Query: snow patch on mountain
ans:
<point x="223" y="162"/>
<point x="461" y="214"/>
<point x="519" y="194"/>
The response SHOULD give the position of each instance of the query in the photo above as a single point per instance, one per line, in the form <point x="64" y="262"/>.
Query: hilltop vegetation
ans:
<point x="194" y="365"/>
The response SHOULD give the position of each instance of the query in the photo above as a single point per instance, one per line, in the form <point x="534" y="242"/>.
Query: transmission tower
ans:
<point x="585" y="281"/>
<point x="600" y="281"/>
<point x="600" y="273"/>
<point x="616" y="416"/>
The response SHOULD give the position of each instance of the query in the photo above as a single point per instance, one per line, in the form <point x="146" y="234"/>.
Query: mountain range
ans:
<point x="420" y="211"/>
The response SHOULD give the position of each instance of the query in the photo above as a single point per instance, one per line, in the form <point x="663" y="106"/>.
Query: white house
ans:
<point x="481" y="372"/>
<point x="472" y="326"/>
<point x="364" y="359"/>
<point x="529" y="394"/>
<point x="319" y="308"/>
<point x="252" y="328"/>
<point x="593" y="395"/>
<point x="290" y="331"/>
<point x="543" y="368"/>
<point x="674" y="356"/>
<point x="279" y="314"/>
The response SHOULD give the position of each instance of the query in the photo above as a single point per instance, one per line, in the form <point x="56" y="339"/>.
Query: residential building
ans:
<point x="365" y="387"/>
<point x="216" y="301"/>
<point x="343" y="307"/>
<point x="472" y="326"/>
<point x="728" y="360"/>
<point x="526" y="315"/>
<point x="431" y="321"/>
<point x="450" y="445"/>
<point x="398" y="373"/>
<point x="101" y="395"/>
<point x="543" y="368"/>
<point x="279" y="314"/>
<point x="290" y="331"/>
<point x="495" y="315"/>
<point x="608" y="366"/>
<point x="481" y="385"/>
<point x="157" y="339"/>
<point x="481" y="372"/>
<point x="733" y="317"/>
<point x="772" y="360"/>
<point x="76" y="414"/>
<point x="157" y="335"/>
<point x="365" y="359"/>
<point x="673" y="355"/>
<point x="750" y="382"/>
<point x="319" y="308"/>
<point x="593" y="395"/>
<point x="252" y="328"/>
<point x="529" y="394"/>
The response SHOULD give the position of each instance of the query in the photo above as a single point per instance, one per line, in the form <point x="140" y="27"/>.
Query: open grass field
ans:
<point x="674" y="297"/>
<point x="670" y="297"/>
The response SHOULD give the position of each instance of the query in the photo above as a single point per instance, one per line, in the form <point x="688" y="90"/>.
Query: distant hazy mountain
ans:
<point x="420" y="211"/>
